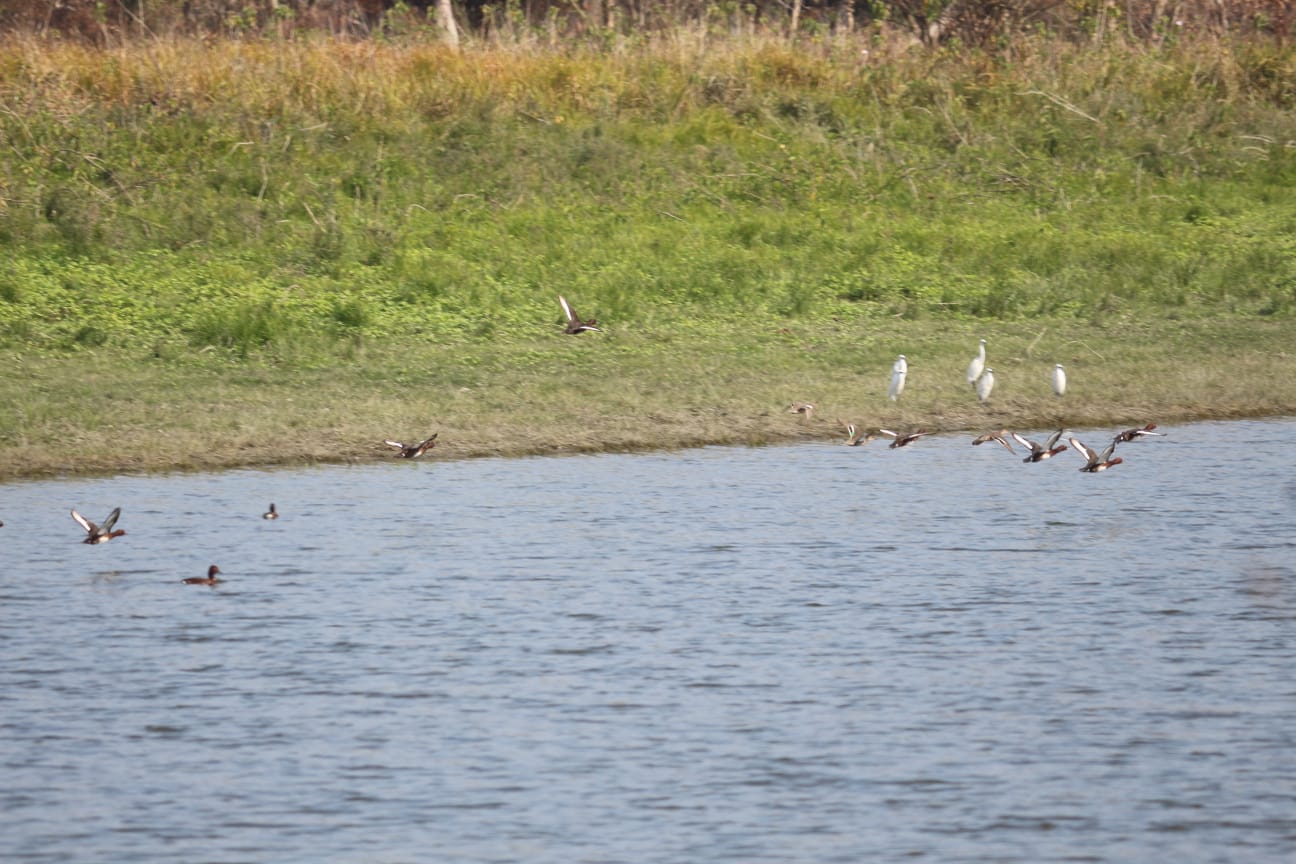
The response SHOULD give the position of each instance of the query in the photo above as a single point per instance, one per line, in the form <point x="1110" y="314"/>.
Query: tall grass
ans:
<point x="291" y="198"/>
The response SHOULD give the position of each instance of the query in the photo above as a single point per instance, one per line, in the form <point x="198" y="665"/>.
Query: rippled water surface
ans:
<point x="811" y="653"/>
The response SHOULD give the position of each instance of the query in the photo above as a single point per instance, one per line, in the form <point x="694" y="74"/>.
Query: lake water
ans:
<point x="791" y="654"/>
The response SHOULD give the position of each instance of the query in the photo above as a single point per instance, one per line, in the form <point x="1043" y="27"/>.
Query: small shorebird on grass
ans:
<point x="1135" y="434"/>
<point x="575" y="324"/>
<point x="1040" y="452"/>
<point x="99" y="533"/>
<point x="412" y="451"/>
<point x="903" y="440"/>
<point x="1095" y="462"/>
<point x="1001" y="436"/>
<point x="210" y="579"/>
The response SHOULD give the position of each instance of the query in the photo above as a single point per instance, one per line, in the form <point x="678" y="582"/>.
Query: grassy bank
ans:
<point x="230" y="253"/>
<point x="105" y="411"/>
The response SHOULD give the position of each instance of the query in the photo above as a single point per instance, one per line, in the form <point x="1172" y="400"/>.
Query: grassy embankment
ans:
<point x="222" y="254"/>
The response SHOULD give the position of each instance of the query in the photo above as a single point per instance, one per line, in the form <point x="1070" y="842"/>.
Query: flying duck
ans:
<point x="902" y="440"/>
<point x="1041" y="452"/>
<point x="574" y="322"/>
<point x="804" y="408"/>
<point x="1001" y="436"/>
<point x="99" y="533"/>
<point x="1135" y="434"/>
<point x="1095" y="462"/>
<point x="855" y="438"/>
<point x="407" y="451"/>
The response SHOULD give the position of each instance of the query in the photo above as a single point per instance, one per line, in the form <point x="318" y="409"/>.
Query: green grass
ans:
<point x="302" y="242"/>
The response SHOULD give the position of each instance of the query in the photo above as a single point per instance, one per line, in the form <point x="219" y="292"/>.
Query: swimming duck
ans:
<point x="1095" y="462"/>
<point x="899" y="370"/>
<point x="1041" y="452"/>
<point x="574" y="322"/>
<point x="902" y="440"/>
<point x="99" y="533"/>
<point x="1135" y="434"/>
<point x="804" y="408"/>
<point x="1001" y="436"/>
<point x="209" y="580"/>
<point x="407" y="451"/>
<point x="272" y="513"/>
<point x="976" y="366"/>
<point x="855" y="439"/>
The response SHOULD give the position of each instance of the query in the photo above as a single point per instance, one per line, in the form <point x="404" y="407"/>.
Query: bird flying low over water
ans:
<point x="574" y="322"/>
<point x="1040" y="452"/>
<point x="209" y="580"/>
<point x="1135" y="434"/>
<point x="855" y="438"/>
<point x="1094" y="461"/>
<point x="902" y="440"/>
<point x="1059" y="380"/>
<point x="899" y="370"/>
<point x="1001" y="436"/>
<point x="806" y="409"/>
<point x="413" y="451"/>
<point x="99" y="533"/>
<point x="977" y="365"/>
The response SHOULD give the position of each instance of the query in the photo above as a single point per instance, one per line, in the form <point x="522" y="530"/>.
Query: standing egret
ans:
<point x="985" y="384"/>
<point x="1059" y="380"/>
<point x="976" y="366"/>
<point x="898" y="373"/>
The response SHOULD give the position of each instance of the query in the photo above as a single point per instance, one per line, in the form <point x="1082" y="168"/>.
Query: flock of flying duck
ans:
<point x="979" y="376"/>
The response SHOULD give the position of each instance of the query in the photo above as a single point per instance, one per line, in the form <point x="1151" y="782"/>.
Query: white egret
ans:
<point x="977" y="365"/>
<point x="985" y="384"/>
<point x="1059" y="380"/>
<point x="898" y="373"/>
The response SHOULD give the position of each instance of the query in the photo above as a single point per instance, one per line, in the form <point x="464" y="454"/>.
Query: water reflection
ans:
<point x="800" y="653"/>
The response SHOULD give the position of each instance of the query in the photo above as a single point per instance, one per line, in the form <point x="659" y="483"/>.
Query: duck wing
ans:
<point x="1027" y="443"/>
<point x="1053" y="439"/>
<point x="110" y="521"/>
<point x="398" y="445"/>
<point x="568" y="311"/>
<point x="83" y="522"/>
<point x="1084" y="451"/>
